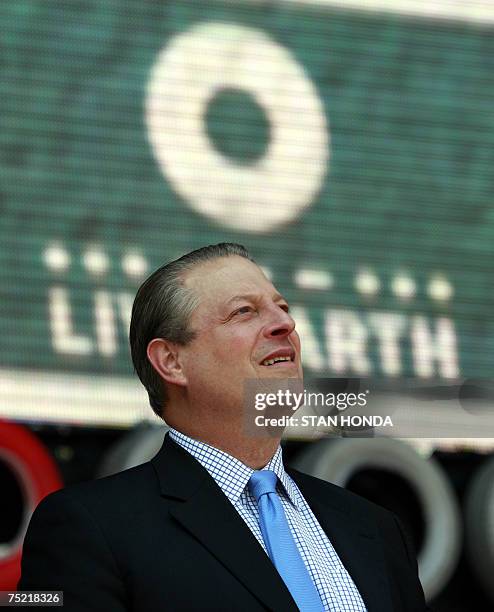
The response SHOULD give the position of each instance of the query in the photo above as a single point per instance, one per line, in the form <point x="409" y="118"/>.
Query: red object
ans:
<point x="37" y="474"/>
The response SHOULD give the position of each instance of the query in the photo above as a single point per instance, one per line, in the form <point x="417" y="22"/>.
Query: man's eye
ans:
<point x="243" y="310"/>
<point x="285" y="307"/>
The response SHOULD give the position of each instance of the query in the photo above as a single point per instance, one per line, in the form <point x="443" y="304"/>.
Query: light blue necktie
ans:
<point x="280" y="544"/>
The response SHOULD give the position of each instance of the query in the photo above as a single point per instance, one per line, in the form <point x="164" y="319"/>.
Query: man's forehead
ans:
<point x="226" y="278"/>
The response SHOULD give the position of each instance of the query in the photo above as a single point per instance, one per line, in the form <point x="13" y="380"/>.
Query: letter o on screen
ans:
<point x="188" y="72"/>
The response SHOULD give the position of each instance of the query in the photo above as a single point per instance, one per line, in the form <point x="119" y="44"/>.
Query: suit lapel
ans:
<point x="355" y="540"/>
<point x="199" y="505"/>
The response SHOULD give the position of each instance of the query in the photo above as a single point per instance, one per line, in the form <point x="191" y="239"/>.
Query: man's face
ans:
<point x="243" y="331"/>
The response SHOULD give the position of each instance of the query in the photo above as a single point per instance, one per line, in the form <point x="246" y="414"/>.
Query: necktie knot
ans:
<point x="262" y="482"/>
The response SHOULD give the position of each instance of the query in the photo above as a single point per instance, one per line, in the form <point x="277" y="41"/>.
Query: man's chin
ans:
<point x="269" y="401"/>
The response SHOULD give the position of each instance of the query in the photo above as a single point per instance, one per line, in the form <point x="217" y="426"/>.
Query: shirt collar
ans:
<point x="230" y="473"/>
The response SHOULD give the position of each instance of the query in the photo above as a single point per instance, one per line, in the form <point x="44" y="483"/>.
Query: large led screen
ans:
<point x="351" y="151"/>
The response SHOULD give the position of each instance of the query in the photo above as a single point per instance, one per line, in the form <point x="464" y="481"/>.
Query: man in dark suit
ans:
<point x="214" y="522"/>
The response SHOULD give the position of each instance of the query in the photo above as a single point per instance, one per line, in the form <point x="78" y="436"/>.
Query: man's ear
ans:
<point x="164" y="357"/>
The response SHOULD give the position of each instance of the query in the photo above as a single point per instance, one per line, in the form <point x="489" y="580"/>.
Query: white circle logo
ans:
<point x="188" y="73"/>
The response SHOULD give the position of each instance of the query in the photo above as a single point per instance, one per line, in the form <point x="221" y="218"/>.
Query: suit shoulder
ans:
<point x="336" y="495"/>
<point x="117" y="491"/>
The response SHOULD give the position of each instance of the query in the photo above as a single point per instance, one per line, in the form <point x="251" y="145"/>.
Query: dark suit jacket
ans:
<point x="163" y="536"/>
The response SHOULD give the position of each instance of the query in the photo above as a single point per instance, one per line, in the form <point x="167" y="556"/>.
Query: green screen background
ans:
<point x="407" y="188"/>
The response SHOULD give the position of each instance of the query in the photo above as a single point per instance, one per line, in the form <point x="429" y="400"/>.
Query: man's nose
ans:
<point x="280" y="323"/>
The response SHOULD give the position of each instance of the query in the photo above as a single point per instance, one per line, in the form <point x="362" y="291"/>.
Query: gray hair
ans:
<point x="162" y="309"/>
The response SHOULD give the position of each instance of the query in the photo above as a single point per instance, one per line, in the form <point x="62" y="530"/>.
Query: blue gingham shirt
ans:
<point x="335" y="586"/>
